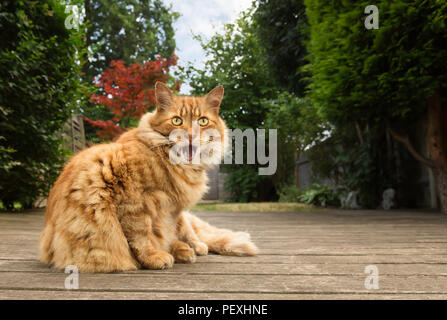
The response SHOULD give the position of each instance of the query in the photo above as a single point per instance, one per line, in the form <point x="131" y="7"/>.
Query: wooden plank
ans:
<point x="32" y="235"/>
<point x="276" y="284"/>
<point x="305" y="255"/>
<point x="299" y="259"/>
<point x="266" y="268"/>
<point x="39" y="294"/>
<point x="328" y="259"/>
<point x="23" y="251"/>
<point x="296" y="246"/>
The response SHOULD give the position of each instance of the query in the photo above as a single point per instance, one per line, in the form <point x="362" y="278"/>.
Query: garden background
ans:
<point x="364" y="110"/>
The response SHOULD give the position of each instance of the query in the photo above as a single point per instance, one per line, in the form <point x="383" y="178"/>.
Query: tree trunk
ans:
<point x="437" y="144"/>
<point x="297" y="170"/>
<point x="441" y="182"/>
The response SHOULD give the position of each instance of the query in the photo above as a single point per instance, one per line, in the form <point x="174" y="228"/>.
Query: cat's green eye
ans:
<point x="203" y="122"/>
<point x="177" y="121"/>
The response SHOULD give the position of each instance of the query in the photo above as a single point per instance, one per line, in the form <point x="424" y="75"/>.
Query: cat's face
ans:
<point x="190" y="123"/>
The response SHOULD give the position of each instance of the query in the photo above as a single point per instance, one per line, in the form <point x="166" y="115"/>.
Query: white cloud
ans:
<point x="203" y="17"/>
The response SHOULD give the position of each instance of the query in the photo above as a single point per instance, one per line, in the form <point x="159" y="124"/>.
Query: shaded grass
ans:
<point x="232" y="207"/>
<point x="17" y="207"/>
<point x="254" y="207"/>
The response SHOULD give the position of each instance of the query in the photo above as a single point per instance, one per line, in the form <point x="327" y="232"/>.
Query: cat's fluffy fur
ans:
<point x="121" y="206"/>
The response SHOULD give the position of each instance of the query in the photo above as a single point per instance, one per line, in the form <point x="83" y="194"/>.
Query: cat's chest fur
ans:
<point x="154" y="181"/>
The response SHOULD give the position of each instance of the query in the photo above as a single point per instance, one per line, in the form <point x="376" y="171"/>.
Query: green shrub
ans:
<point x="288" y="194"/>
<point x="319" y="195"/>
<point x="238" y="66"/>
<point x="315" y="194"/>
<point x="39" y="88"/>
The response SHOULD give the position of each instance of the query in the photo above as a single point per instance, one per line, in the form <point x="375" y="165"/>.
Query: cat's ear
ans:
<point x="214" y="98"/>
<point x="163" y="96"/>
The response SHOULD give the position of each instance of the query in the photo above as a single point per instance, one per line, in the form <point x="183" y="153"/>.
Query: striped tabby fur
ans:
<point x="122" y="206"/>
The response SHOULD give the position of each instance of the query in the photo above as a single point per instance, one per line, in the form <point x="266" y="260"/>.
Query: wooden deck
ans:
<point x="305" y="255"/>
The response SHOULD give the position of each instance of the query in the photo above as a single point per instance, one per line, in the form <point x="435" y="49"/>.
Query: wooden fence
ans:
<point x="73" y="134"/>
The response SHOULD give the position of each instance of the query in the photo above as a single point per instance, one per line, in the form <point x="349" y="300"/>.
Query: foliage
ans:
<point x="373" y="78"/>
<point x="283" y="31"/>
<point x="246" y="185"/>
<point x="298" y="128"/>
<point x="39" y="85"/>
<point x="128" y="92"/>
<point x="288" y="193"/>
<point x="253" y="207"/>
<point x="234" y="62"/>
<point x="319" y="195"/>
<point x="314" y="194"/>
<point x="131" y="31"/>
<point x="364" y="167"/>
<point x="356" y="170"/>
<point x="239" y="60"/>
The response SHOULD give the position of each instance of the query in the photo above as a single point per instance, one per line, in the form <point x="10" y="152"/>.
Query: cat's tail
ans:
<point x="222" y="241"/>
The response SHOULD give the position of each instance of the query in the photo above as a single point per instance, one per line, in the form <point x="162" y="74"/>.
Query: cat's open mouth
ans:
<point x="189" y="152"/>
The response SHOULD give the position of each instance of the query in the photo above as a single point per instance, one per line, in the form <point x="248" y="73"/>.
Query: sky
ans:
<point x="203" y="17"/>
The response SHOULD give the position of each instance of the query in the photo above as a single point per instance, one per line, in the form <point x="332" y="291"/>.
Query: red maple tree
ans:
<point x="128" y="92"/>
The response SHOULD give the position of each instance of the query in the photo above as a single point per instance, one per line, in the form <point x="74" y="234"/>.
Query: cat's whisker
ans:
<point x="162" y="144"/>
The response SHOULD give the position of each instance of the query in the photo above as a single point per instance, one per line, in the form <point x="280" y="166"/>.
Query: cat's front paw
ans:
<point x="185" y="256"/>
<point x="183" y="253"/>
<point x="158" y="260"/>
<point x="200" y="248"/>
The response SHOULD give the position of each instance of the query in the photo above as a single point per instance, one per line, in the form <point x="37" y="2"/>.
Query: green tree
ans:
<point x="283" y="31"/>
<point x="39" y="88"/>
<point x="299" y="127"/>
<point x="131" y="31"/>
<point x="234" y="62"/>
<point x="383" y="79"/>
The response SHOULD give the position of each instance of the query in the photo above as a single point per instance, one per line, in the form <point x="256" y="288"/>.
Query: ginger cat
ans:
<point x="121" y="206"/>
